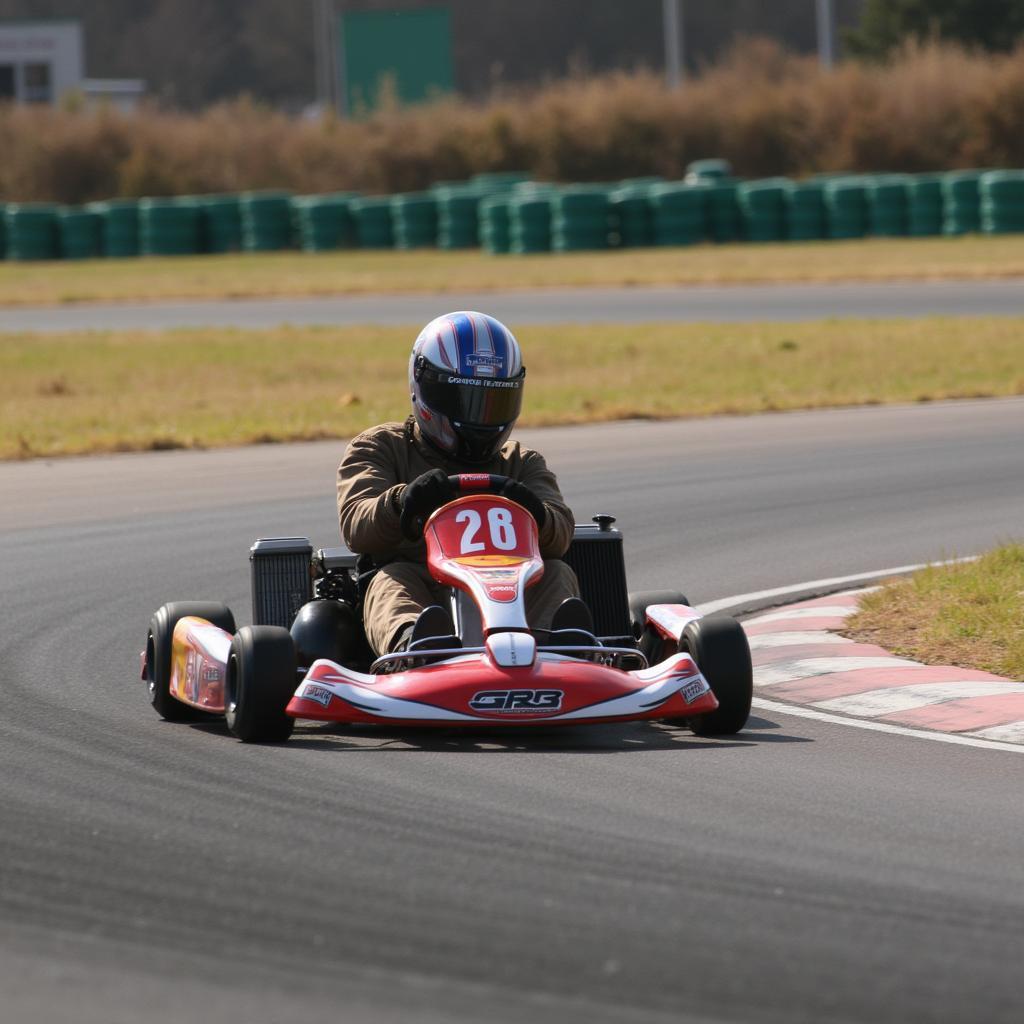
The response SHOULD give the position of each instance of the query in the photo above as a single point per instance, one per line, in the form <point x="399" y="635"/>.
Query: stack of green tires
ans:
<point x="169" y="227"/>
<point x="529" y="220"/>
<point x="631" y="214"/>
<point x="221" y="217"/>
<point x="805" y="211"/>
<point x="371" y="222"/>
<point x="3" y="235"/>
<point x="679" y="213"/>
<point x="763" y="205"/>
<point x="119" y="226"/>
<point x="266" y="221"/>
<point x="458" y="224"/>
<point x="924" y="205"/>
<point x="79" y="232"/>
<point x="324" y="222"/>
<point x="1002" y="202"/>
<point x="886" y="196"/>
<point x="846" y="207"/>
<point x="495" y="232"/>
<point x="31" y="230"/>
<point x="725" y="219"/>
<point x="961" y="193"/>
<point x="414" y="220"/>
<point x="579" y="219"/>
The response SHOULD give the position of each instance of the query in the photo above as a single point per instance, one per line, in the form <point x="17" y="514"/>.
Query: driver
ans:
<point x="395" y="475"/>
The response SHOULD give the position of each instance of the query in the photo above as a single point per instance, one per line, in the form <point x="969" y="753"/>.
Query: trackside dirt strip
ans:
<point x="798" y="657"/>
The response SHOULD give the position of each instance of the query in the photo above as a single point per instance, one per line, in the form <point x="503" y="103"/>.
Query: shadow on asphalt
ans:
<point x="635" y="737"/>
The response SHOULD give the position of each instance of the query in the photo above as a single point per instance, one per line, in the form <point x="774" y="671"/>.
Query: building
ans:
<point x="43" y="61"/>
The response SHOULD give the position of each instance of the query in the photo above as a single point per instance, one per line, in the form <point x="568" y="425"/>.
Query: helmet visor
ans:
<point x="477" y="401"/>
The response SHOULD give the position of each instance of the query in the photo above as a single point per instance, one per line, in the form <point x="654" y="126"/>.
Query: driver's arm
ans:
<point x="557" y="532"/>
<point x="368" y="496"/>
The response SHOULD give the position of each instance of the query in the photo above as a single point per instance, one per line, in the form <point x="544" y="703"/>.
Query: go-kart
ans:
<point x="673" y="665"/>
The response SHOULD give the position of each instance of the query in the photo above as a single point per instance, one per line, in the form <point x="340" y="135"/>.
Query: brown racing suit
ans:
<point x="371" y="479"/>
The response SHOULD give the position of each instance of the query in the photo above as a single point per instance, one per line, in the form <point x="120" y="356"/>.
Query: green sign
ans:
<point x="405" y="53"/>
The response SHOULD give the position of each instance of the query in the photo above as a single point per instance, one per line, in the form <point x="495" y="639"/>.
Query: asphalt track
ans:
<point x="802" y="871"/>
<point x="733" y="303"/>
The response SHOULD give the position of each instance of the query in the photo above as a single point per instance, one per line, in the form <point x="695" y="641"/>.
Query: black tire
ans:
<point x="651" y="643"/>
<point x="261" y="679"/>
<point x="719" y="647"/>
<point x="158" y="654"/>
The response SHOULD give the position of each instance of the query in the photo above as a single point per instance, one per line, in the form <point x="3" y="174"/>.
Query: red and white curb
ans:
<point x="799" y="659"/>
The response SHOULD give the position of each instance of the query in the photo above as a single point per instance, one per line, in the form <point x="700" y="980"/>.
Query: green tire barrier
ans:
<point x="495" y="233"/>
<point x="458" y="224"/>
<point x="414" y="220"/>
<point x="3" y="234"/>
<point x="805" y="211"/>
<point x="679" y="213"/>
<point x="324" y="222"/>
<point x="579" y="219"/>
<point x="31" y="230"/>
<point x="169" y="227"/>
<point x="886" y="196"/>
<point x="371" y="221"/>
<point x="80" y="233"/>
<point x="924" y="205"/>
<point x="221" y="222"/>
<point x="529" y="216"/>
<point x="763" y="205"/>
<point x="725" y="219"/>
<point x="961" y="193"/>
<point x="1002" y="202"/>
<point x="119" y="227"/>
<point x="846" y="208"/>
<point x="632" y="216"/>
<point x="266" y="221"/>
<point x="498" y="181"/>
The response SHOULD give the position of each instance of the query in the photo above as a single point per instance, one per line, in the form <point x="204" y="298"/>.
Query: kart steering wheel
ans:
<point x="478" y="483"/>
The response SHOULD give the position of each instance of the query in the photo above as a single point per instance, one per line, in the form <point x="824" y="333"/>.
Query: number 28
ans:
<point x="499" y="521"/>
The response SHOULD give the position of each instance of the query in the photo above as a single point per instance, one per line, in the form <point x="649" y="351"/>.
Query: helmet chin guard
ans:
<point x="466" y="382"/>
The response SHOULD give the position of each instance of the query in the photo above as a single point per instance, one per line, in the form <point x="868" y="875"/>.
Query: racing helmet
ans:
<point x="466" y="381"/>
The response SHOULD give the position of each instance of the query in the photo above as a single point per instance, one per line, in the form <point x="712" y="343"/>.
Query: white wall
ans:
<point x="57" y="44"/>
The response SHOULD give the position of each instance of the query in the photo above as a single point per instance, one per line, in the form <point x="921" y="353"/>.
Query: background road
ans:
<point x="799" y="872"/>
<point x="556" y="305"/>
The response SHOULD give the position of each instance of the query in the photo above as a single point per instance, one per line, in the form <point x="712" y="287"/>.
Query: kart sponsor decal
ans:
<point x="318" y="693"/>
<point x="503" y="592"/>
<point x="693" y="690"/>
<point x="211" y="673"/>
<point x="470" y="481"/>
<point x="516" y="701"/>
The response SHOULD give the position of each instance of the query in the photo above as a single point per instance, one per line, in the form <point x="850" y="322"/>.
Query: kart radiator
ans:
<point x="281" y="579"/>
<point x="595" y="555"/>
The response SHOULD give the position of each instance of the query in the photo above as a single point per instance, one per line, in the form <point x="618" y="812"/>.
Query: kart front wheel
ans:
<point x="158" y="654"/>
<point x="650" y="641"/>
<point x="719" y="646"/>
<point x="261" y="679"/>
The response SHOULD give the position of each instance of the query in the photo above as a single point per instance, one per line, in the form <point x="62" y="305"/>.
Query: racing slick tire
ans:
<point x="261" y="679"/>
<point x="158" y="655"/>
<point x="719" y="646"/>
<point x="649" y="640"/>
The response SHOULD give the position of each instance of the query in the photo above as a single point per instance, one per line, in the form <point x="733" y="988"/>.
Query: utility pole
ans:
<point x="826" y="34"/>
<point x="672" y="26"/>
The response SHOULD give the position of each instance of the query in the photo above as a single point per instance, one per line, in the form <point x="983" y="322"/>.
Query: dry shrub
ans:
<point x="932" y="107"/>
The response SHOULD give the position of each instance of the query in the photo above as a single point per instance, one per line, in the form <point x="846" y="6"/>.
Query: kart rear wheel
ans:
<point x="261" y="679"/>
<point x="651" y="642"/>
<point x="719" y="646"/>
<point x="158" y="654"/>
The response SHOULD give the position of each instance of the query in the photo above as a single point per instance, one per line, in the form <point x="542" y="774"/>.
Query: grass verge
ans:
<point x="126" y="391"/>
<point x="370" y="271"/>
<point x="970" y="615"/>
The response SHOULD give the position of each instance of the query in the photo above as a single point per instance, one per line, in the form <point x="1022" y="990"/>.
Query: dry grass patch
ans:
<point x="970" y="615"/>
<point x="365" y="271"/>
<point x="115" y="391"/>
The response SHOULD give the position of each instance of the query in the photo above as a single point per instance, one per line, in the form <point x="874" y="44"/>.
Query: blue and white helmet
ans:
<point x="466" y="378"/>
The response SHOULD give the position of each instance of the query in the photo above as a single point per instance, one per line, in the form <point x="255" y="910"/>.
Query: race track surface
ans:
<point x="801" y="871"/>
<point x="732" y="303"/>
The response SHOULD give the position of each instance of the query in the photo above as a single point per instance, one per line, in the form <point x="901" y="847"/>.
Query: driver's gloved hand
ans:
<point x="520" y="493"/>
<point x="426" y="493"/>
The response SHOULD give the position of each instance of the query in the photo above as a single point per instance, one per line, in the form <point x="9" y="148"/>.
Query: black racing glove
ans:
<point x="426" y="493"/>
<point x="520" y="493"/>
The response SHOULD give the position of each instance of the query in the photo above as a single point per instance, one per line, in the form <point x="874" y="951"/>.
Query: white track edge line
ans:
<point x="900" y="730"/>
